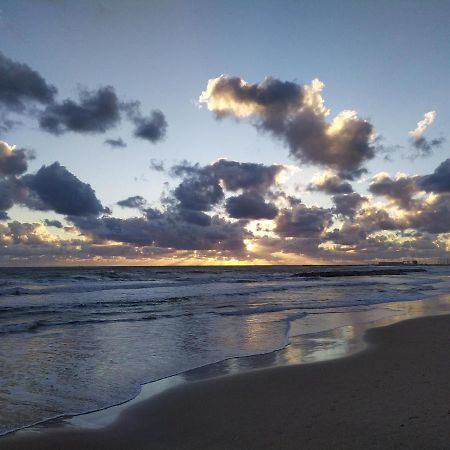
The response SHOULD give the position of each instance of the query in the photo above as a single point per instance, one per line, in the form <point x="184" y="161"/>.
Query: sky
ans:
<point x="223" y="132"/>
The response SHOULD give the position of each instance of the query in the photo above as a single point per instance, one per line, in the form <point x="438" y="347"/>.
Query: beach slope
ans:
<point x="395" y="394"/>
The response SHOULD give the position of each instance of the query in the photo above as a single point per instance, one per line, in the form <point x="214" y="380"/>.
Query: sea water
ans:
<point x="74" y="340"/>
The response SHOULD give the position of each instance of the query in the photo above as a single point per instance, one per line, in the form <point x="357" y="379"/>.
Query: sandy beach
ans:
<point x="394" y="394"/>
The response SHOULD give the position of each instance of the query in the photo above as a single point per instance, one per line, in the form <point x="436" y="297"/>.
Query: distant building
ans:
<point x="398" y="263"/>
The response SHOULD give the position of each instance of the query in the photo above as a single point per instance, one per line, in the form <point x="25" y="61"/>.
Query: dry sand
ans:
<point x="395" y="394"/>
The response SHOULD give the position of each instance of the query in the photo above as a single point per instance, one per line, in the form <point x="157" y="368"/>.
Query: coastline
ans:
<point x="393" y="393"/>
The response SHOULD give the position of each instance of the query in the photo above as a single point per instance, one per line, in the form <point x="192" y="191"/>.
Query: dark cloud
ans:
<point x="236" y="175"/>
<point x="19" y="85"/>
<point x="202" y="186"/>
<point x="348" y="204"/>
<point x="4" y="216"/>
<point x="433" y="216"/>
<point x="59" y="190"/>
<point x="250" y="205"/>
<point x="116" y="143"/>
<point x="296" y="115"/>
<point x="53" y="223"/>
<point x="12" y="191"/>
<point x="400" y="190"/>
<point x="95" y="112"/>
<point x="272" y="99"/>
<point x="195" y="217"/>
<point x="152" y="128"/>
<point x="199" y="192"/>
<point x="330" y="183"/>
<point x="348" y="235"/>
<point x="133" y="202"/>
<point x="166" y="229"/>
<point x="302" y="221"/>
<point x="425" y="147"/>
<point x="372" y="219"/>
<point x="13" y="161"/>
<point x="439" y="180"/>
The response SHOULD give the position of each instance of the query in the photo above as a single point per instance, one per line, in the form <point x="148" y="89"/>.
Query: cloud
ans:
<point x="202" y="187"/>
<point x="296" y="114"/>
<point x="157" y="165"/>
<point x="236" y="175"/>
<point x="53" y="223"/>
<point x="349" y="235"/>
<point x="439" y="180"/>
<point x="166" y="229"/>
<point x="21" y="85"/>
<point x="13" y="161"/>
<point x="195" y="217"/>
<point x="348" y="204"/>
<point x="423" y="146"/>
<point x="199" y="192"/>
<point x="373" y="219"/>
<point x="152" y="128"/>
<point x="303" y="221"/>
<point x="250" y="205"/>
<point x="57" y="189"/>
<point x="11" y="191"/>
<point x="400" y="190"/>
<point x="95" y="112"/>
<point x="422" y="125"/>
<point x="3" y="216"/>
<point x="330" y="183"/>
<point x="133" y="202"/>
<point x="434" y="216"/>
<point x="116" y="143"/>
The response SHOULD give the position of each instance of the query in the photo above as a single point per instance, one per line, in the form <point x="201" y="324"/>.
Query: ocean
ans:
<point x="79" y="339"/>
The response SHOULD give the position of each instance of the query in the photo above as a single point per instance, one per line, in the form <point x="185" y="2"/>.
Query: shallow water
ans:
<point x="80" y="339"/>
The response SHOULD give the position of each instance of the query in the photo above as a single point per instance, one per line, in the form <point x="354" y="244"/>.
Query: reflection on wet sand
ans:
<point x="312" y="339"/>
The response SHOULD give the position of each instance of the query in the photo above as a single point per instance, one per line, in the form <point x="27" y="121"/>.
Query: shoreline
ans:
<point x="52" y="433"/>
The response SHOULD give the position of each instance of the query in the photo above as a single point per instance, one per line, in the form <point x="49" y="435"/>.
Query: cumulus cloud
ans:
<point x="133" y="202"/>
<point x="10" y="192"/>
<point x="433" y="216"/>
<point x="20" y="85"/>
<point x="13" y="161"/>
<point x="95" y="112"/>
<point x="296" y="114"/>
<point x="24" y="90"/>
<point x="400" y="190"/>
<point x="250" y="205"/>
<point x="116" y="143"/>
<point x="203" y="187"/>
<point x="199" y="192"/>
<point x="166" y="229"/>
<point x="238" y="175"/>
<point x="348" y="204"/>
<point x="330" y="183"/>
<point x="53" y="223"/>
<point x="195" y="217"/>
<point x="303" y="221"/>
<point x="439" y="180"/>
<point x="55" y="188"/>
<point x="152" y="128"/>
<point x="373" y="219"/>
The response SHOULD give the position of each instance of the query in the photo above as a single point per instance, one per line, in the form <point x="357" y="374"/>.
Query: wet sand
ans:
<point x="395" y="394"/>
